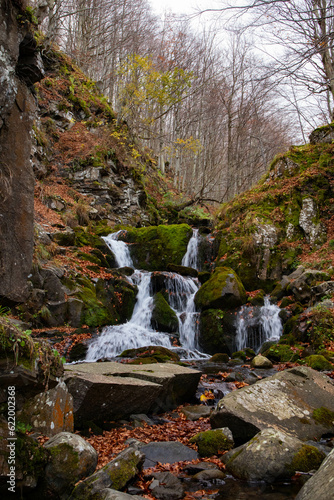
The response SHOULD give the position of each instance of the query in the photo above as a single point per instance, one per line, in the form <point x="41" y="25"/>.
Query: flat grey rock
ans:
<point x="287" y="401"/>
<point x="115" y="390"/>
<point x="167" y="452"/>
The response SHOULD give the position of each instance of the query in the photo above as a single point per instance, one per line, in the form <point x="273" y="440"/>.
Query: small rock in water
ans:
<point x="261" y="362"/>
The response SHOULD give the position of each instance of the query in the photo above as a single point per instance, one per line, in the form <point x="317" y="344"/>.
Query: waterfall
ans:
<point x="257" y="325"/>
<point x="182" y="291"/>
<point x="190" y="258"/>
<point x="135" y="333"/>
<point x="119" y="248"/>
<point x="138" y="332"/>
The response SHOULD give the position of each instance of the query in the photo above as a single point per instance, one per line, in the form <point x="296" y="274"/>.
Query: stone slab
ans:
<point x="177" y="383"/>
<point x="286" y="401"/>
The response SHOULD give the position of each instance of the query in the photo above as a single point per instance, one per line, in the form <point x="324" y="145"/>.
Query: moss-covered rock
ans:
<point x="213" y="442"/>
<point x="164" y="318"/>
<point x="156" y="247"/>
<point x="306" y="459"/>
<point x="212" y="337"/>
<point x="219" y="357"/>
<point x="257" y="299"/>
<point x="157" y="353"/>
<point x="116" y="474"/>
<point x="182" y="270"/>
<point x="239" y="355"/>
<point x="280" y="353"/>
<point x="71" y="459"/>
<point x="319" y="363"/>
<point x="223" y="290"/>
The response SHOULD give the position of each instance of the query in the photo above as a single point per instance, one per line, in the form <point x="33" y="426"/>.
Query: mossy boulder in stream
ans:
<point x="164" y="318"/>
<point x="212" y="337"/>
<point x="213" y="442"/>
<point x="156" y="247"/>
<point x="223" y="290"/>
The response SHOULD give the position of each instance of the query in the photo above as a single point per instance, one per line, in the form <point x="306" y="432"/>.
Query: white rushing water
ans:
<point x="119" y="248"/>
<point x="190" y="258"/>
<point x="254" y="327"/>
<point x="138" y="332"/>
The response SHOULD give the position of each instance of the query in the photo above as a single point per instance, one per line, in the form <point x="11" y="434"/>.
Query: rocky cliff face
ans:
<point x="19" y="68"/>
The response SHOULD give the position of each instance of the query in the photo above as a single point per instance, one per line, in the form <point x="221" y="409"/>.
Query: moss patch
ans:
<point x="318" y="362"/>
<point x="212" y="442"/>
<point x="323" y="416"/>
<point x="223" y="290"/>
<point x="156" y="247"/>
<point x="164" y="318"/>
<point x="306" y="459"/>
<point x="280" y="353"/>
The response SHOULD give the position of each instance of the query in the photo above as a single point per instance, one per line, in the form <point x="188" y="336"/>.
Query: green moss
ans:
<point x="223" y="290"/>
<point x="157" y="246"/>
<point x="94" y="312"/>
<point x="323" y="416"/>
<point x="32" y="457"/>
<point x="212" y="442"/>
<point x="212" y="336"/>
<point x="318" y="362"/>
<point x="239" y="355"/>
<point x="280" y="353"/>
<point x="306" y="459"/>
<point x="164" y="318"/>
<point x="219" y="357"/>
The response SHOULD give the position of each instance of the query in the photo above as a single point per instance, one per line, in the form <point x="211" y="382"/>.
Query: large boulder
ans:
<point x="164" y="318"/>
<point x="298" y="401"/>
<point x="50" y="412"/>
<point x="156" y="247"/>
<point x="116" y="474"/>
<point x="223" y="290"/>
<point x="272" y="455"/>
<point x="320" y="486"/>
<point x="119" y="390"/>
<point x="71" y="459"/>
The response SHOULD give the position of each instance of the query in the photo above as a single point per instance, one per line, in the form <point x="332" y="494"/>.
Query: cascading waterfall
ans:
<point x="182" y="291"/>
<point x="190" y="258"/>
<point x="258" y="325"/>
<point x="138" y="331"/>
<point x="119" y="248"/>
<point x="135" y="333"/>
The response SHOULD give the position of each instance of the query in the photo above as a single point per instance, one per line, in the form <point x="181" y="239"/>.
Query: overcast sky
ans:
<point x="181" y="6"/>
